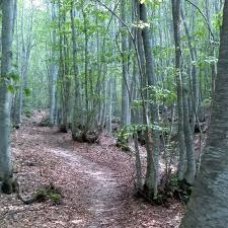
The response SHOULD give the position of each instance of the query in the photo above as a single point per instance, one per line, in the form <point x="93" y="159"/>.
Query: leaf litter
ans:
<point x="96" y="182"/>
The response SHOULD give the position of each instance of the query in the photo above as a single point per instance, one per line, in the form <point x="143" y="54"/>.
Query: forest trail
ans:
<point x="105" y="197"/>
<point x="96" y="182"/>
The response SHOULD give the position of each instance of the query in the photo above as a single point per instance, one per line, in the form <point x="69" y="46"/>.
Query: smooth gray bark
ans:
<point x="125" y="114"/>
<point x="151" y="181"/>
<point x="26" y="47"/>
<point x="7" y="35"/>
<point x="181" y="140"/>
<point x="195" y="79"/>
<point x="77" y="109"/>
<point x="53" y="71"/>
<point x="64" y="71"/>
<point x="189" y="175"/>
<point x="86" y="63"/>
<point x="110" y="108"/>
<point x="208" y="204"/>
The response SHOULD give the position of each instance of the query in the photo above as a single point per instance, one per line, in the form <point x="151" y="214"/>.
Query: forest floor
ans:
<point x="95" y="180"/>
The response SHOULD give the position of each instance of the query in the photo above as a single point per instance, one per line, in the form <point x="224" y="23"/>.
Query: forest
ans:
<point x="113" y="113"/>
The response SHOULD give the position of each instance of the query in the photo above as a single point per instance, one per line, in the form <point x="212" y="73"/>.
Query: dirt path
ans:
<point x="95" y="181"/>
<point x="105" y="196"/>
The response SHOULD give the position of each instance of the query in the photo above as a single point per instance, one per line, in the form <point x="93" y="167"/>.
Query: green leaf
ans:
<point x="27" y="92"/>
<point x="11" y="88"/>
<point x="15" y="77"/>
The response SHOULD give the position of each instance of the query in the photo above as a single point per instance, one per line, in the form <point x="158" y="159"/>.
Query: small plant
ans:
<point x="55" y="197"/>
<point x="127" y="133"/>
<point x="123" y="137"/>
<point x="41" y="195"/>
<point x="49" y="193"/>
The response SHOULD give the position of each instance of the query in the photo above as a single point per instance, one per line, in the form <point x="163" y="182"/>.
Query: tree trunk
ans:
<point x="5" y="155"/>
<point x="152" y="142"/>
<point x="181" y="142"/>
<point x="65" y="80"/>
<point x="77" y="109"/>
<point x="195" y="80"/>
<point x="189" y="175"/>
<point x="208" y="204"/>
<point x="125" y="114"/>
<point x="53" y="72"/>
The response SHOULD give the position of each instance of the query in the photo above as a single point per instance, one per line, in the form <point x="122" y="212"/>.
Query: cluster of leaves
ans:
<point x="123" y="136"/>
<point x="135" y="130"/>
<point x="10" y="79"/>
<point x="13" y="81"/>
<point x="161" y="95"/>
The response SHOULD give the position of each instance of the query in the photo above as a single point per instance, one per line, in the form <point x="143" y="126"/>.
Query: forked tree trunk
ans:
<point x="208" y="204"/>
<point x="151" y="181"/>
<point x="186" y="170"/>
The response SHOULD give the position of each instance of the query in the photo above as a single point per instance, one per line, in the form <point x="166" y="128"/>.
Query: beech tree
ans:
<point x="186" y="172"/>
<point x="208" y="204"/>
<point x="151" y="181"/>
<point x="7" y="38"/>
<point x="53" y="71"/>
<point x="125" y="112"/>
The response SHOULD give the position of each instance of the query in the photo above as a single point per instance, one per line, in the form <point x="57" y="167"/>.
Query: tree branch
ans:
<point x="114" y="13"/>
<point x="205" y="18"/>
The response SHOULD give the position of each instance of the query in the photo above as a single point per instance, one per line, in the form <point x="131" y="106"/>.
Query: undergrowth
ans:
<point x="169" y="188"/>
<point x="49" y="193"/>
